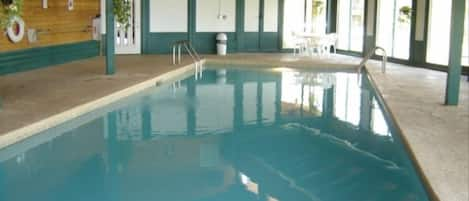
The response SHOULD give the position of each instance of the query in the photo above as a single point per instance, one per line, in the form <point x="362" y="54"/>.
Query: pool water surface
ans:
<point x="231" y="135"/>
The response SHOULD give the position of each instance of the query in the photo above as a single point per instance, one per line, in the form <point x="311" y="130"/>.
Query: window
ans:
<point x="293" y="21"/>
<point x="316" y="16"/>
<point x="393" y="27"/>
<point x="439" y="32"/>
<point x="303" y="16"/>
<point x="350" y="24"/>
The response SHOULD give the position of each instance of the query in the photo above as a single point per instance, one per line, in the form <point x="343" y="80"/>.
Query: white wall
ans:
<point x="168" y="15"/>
<point x="251" y="15"/>
<point x="270" y="15"/>
<point x="207" y="16"/>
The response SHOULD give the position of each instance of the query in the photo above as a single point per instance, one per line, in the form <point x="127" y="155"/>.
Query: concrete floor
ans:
<point x="438" y="135"/>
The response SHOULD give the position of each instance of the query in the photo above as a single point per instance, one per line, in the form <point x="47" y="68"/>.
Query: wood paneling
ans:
<point x="56" y="24"/>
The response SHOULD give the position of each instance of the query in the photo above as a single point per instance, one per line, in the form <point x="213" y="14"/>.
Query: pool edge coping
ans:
<point x="16" y="135"/>
<point x="427" y="184"/>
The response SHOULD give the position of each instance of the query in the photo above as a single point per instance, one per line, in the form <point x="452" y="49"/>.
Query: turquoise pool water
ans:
<point x="232" y="135"/>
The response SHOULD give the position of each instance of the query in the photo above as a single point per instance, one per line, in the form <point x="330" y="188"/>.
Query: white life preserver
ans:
<point x="16" y="29"/>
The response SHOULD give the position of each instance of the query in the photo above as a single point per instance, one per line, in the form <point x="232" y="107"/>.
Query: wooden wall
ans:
<point x="59" y="25"/>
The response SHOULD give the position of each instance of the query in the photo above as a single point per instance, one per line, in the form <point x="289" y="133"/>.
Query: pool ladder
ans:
<point x="176" y="58"/>
<point x="370" y="54"/>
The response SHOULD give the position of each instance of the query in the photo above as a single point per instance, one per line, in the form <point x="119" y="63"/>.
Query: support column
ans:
<point x="455" y="52"/>
<point x="110" y="38"/>
<point x="192" y="7"/>
<point x="240" y="25"/>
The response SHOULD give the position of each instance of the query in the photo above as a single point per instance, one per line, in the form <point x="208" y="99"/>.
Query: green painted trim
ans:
<point x="269" y="42"/>
<point x="331" y="16"/>
<point x="281" y="6"/>
<point x="205" y="42"/>
<point x="261" y="21"/>
<point x="192" y="21"/>
<point x="413" y="43"/>
<point x="426" y="28"/>
<point x="372" y="39"/>
<point x="110" y="38"/>
<point x="160" y="43"/>
<point x="40" y="57"/>
<point x="240" y="24"/>
<point x="145" y="18"/>
<point x="453" y="81"/>
<point x="368" y="41"/>
<point x="251" y="42"/>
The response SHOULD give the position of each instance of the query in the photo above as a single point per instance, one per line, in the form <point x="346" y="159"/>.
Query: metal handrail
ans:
<point x="192" y="53"/>
<point x="188" y="47"/>
<point x="370" y="54"/>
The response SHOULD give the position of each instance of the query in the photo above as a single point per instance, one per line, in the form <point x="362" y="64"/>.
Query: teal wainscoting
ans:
<point x="160" y="43"/>
<point x="251" y="42"/>
<point x="419" y="53"/>
<point x="29" y="59"/>
<point x="269" y="42"/>
<point x="205" y="42"/>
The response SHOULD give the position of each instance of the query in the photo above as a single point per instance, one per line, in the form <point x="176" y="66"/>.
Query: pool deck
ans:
<point x="438" y="135"/>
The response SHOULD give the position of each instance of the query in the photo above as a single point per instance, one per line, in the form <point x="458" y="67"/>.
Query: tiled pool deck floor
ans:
<point x="437" y="134"/>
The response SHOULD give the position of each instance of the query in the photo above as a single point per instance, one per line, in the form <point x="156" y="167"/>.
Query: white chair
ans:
<point x="315" y="45"/>
<point x="330" y="41"/>
<point x="300" y="44"/>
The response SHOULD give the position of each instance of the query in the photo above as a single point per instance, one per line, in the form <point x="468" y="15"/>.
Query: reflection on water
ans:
<point x="232" y="135"/>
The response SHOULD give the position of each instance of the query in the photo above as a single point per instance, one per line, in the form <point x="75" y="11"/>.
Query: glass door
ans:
<point x="315" y="17"/>
<point x="303" y="16"/>
<point x="439" y="18"/>
<point x="128" y="40"/>
<point x="350" y="25"/>
<point x="393" y="27"/>
<point x="261" y="25"/>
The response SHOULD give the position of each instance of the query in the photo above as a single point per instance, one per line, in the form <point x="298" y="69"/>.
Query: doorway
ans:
<point x="128" y="41"/>
<point x="261" y="25"/>
<point x="394" y="27"/>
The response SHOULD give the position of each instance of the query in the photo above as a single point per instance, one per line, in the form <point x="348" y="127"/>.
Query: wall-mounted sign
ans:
<point x="70" y="4"/>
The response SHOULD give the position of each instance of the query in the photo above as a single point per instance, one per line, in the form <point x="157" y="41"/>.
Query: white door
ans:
<point x="129" y="42"/>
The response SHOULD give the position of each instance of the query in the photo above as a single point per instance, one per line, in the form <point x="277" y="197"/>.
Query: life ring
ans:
<point x="16" y="29"/>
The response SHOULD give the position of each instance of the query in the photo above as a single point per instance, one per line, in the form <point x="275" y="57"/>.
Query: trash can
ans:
<point x="221" y="44"/>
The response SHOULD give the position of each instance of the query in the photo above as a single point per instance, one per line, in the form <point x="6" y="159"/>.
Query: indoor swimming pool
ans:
<point x="230" y="135"/>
